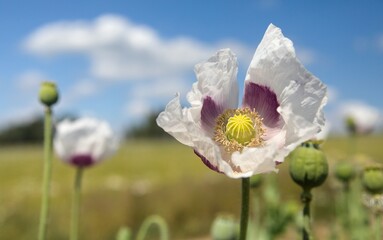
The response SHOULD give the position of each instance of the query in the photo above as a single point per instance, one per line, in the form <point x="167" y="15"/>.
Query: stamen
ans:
<point x="239" y="128"/>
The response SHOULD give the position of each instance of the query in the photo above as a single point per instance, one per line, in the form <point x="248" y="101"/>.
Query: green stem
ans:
<point x="76" y="203"/>
<point x="154" y="220"/>
<point x="378" y="226"/>
<point x="306" y="199"/>
<point x="346" y="207"/>
<point x="256" y="215"/>
<point x="244" y="208"/>
<point x="46" y="174"/>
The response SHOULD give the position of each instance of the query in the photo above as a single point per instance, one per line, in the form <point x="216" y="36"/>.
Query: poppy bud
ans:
<point x="351" y="125"/>
<point x="48" y="93"/>
<point x="224" y="227"/>
<point x="372" y="180"/>
<point x="345" y="171"/>
<point x="308" y="166"/>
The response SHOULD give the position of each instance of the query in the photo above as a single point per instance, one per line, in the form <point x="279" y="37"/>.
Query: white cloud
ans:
<point x="137" y="108"/>
<point x="81" y="89"/>
<point x="118" y="48"/>
<point x="160" y="89"/>
<point x="30" y="80"/>
<point x="305" y="55"/>
<point x="367" y="118"/>
<point x="369" y="43"/>
<point x="84" y="88"/>
<point x="332" y="94"/>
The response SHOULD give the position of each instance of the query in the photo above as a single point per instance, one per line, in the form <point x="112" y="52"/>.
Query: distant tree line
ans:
<point x="32" y="131"/>
<point x="26" y="132"/>
<point x="147" y="129"/>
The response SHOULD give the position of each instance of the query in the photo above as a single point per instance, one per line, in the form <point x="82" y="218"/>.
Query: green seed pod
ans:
<point x="308" y="166"/>
<point x="255" y="181"/>
<point x="345" y="171"/>
<point x="124" y="234"/>
<point x="372" y="180"/>
<point x="48" y="93"/>
<point x="224" y="227"/>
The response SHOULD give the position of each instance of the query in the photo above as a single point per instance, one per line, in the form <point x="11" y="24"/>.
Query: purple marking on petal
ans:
<point x="206" y="162"/>
<point x="264" y="101"/>
<point x="82" y="160"/>
<point x="209" y="112"/>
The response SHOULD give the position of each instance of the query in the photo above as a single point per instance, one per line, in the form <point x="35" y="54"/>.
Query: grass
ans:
<point x="143" y="178"/>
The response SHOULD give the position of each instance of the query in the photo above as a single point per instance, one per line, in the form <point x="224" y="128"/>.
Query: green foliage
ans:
<point x="147" y="129"/>
<point x="154" y="177"/>
<point x="27" y="132"/>
<point x="124" y="234"/>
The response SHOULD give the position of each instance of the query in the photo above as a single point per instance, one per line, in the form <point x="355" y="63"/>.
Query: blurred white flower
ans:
<point x="360" y="118"/>
<point x="281" y="108"/>
<point x="84" y="142"/>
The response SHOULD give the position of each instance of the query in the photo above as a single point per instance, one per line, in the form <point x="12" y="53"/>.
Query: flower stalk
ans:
<point x="47" y="174"/>
<point x="378" y="225"/>
<point x="244" y="208"/>
<point x="306" y="198"/>
<point x="157" y="221"/>
<point x="76" y="204"/>
<point x="48" y="96"/>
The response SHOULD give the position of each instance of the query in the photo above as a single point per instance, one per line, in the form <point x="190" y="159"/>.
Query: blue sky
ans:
<point x="118" y="60"/>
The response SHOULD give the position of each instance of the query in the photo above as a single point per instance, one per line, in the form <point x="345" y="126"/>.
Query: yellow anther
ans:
<point x="240" y="127"/>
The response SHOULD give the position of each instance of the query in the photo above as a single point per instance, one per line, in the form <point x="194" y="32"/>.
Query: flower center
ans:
<point x="240" y="128"/>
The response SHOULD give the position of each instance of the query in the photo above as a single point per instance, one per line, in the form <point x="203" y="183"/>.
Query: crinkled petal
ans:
<point x="213" y="155"/>
<point x="301" y="96"/>
<point x="302" y="112"/>
<point x="255" y="160"/>
<point x="174" y="121"/>
<point x="216" y="88"/>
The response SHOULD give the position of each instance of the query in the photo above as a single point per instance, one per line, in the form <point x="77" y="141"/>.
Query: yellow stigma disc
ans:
<point x="240" y="127"/>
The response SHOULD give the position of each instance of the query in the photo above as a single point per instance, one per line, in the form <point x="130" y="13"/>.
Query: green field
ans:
<point x="143" y="178"/>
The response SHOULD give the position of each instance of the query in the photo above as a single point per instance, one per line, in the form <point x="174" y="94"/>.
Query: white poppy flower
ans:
<point x="360" y="117"/>
<point x="281" y="108"/>
<point x="84" y="142"/>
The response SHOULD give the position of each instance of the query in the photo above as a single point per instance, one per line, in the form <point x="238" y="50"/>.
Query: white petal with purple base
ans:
<point x="84" y="142"/>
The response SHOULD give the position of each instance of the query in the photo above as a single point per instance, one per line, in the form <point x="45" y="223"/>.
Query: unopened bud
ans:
<point x="372" y="180"/>
<point x="224" y="227"/>
<point x="351" y="125"/>
<point x="308" y="166"/>
<point x="48" y="93"/>
<point x="345" y="171"/>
